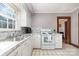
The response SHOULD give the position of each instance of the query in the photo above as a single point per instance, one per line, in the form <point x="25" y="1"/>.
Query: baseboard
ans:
<point x="74" y="45"/>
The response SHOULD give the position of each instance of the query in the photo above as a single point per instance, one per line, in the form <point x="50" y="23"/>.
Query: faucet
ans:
<point x="13" y="36"/>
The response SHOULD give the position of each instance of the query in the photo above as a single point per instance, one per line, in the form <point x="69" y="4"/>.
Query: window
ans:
<point x="14" y="24"/>
<point x="7" y="22"/>
<point x="3" y="22"/>
<point x="5" y="10"/>
<point x="11" y="23"/>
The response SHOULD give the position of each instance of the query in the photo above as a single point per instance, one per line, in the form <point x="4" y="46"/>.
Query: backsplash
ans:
<point x="6" y="34"/>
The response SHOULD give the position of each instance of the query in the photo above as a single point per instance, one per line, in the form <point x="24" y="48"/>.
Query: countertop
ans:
<point x="7" y="46"/>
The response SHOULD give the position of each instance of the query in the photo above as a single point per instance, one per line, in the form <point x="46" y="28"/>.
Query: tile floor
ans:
<point x="67" y="50"/>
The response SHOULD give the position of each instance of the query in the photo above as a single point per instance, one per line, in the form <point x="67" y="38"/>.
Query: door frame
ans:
<point x="69" y="20"/>
<point x="78" y="30"/>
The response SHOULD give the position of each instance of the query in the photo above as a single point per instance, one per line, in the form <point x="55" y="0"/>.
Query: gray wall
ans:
<point x="45" y="20"/>
<point x="74" y="27"/>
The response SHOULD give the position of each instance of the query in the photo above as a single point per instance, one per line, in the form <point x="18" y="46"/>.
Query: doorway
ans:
<point x="64" y="27"/>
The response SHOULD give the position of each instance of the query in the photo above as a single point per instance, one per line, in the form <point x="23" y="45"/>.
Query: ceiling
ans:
<point x="53" y="7"/>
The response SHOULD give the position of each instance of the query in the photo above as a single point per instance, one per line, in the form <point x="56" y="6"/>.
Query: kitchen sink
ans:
<point x="18" y="39"/>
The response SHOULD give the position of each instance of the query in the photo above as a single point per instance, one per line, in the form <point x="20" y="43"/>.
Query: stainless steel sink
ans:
<point x="18" y="39"/>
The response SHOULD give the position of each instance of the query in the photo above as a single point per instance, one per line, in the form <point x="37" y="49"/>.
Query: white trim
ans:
<point x="75" y="9"/>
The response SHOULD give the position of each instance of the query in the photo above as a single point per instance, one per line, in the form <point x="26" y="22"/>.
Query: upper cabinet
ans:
<point x="25" y="16"/>
<point x="23" y="21"/>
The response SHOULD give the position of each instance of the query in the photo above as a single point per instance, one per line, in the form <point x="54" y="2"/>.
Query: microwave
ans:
<point x="26" y="30"/>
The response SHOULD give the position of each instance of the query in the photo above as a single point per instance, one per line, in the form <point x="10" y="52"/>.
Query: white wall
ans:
<point x="74" y="27"/>
<point x="45" y="20"/>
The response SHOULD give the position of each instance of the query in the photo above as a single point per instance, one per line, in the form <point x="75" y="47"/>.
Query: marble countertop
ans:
<point x="7" y="46"/>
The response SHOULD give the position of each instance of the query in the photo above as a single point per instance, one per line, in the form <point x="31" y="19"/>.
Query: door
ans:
<point x="67" y="38"/>
<point x="68" y="32"/>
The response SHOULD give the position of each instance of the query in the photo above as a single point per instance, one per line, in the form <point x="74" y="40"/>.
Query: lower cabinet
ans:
<point x="36" y="41"/>
<point x="24" y="49"/>
<point x="58" y="40"/>
<point x="14" y="53"/>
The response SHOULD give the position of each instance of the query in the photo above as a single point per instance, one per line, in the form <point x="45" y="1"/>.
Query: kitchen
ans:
<point x="22" y="31"/>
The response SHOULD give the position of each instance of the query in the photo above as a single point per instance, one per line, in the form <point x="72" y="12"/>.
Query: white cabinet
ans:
<point x="36" y="41"/>
<point x="19" y="51"/>
<point x="29" y="49"/>
<point x="58" y="40"/>
<point x="23" y="19"/>
<point x="25" y="49"/>
<point x="14" y="53"/>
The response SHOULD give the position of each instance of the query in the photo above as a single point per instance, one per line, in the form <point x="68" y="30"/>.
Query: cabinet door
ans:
<point x="19" y="51"/>
<point x="58" y="41"/>
<point x="14" y="53"/>
<point x="27" y="48"/>
<point x="30" y="46"/>
<point x="24" y="49"/>
<point x="36" y="41"/>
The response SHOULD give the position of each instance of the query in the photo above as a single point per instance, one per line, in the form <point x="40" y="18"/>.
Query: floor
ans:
<point x="67" y="50"/>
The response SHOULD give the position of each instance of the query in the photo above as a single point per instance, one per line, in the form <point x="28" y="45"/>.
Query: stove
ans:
<point x="47" y="41"/>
